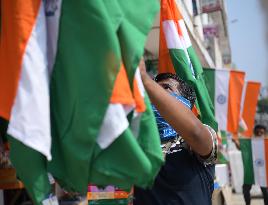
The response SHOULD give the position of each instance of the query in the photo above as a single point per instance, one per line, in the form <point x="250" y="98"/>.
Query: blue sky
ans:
<point x="247" y="37"/>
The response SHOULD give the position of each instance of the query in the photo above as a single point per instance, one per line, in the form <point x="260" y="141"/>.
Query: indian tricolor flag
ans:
<point x="24" y="91"/>
<point x="249" y="102"/>
<point x="24" y="79"/>
<point x="176" y="55"/>
<point x="102" y="126"/>
<point x="255" y="160"/>
<point x="225" y="89"/>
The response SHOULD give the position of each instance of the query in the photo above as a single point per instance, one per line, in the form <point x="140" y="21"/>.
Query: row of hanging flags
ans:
<point x="223" y="96"/>
<point x="72" y="94"/>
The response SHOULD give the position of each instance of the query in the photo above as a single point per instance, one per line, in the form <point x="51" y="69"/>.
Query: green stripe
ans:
<point x="209" y="76"/>
<point x="182" y="68"/>
<point x="246" y="149"/>
<point x="31" y="169"/>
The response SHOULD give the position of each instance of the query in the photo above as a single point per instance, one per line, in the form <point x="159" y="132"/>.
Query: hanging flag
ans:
<point x="225" y="89"/>
<point x="103" y="129"/>
<point x="42" y="37"/>
<point x="23" y="75"/>
<point x="255" y="160"/>
<point x="249" y="106"/>
<point x="176" y="55"/>
<point x="24" y="91"/>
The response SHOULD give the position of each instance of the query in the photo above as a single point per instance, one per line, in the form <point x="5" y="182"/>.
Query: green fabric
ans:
<point x="149" y="141"/>
<point x="31" y="169"/>
<point x="209" y="76"/>
<point x="224" y="138"/>
<point x="182" y="68"/>
<point x="79" y="76"/>
<point x="93" y="36"/>
<point x="246" y="149"/>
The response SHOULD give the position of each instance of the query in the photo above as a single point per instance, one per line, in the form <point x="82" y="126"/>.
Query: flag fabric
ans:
<point x="249" y="106"/>
<point x="103" y="129"/>
<point x="255" y="160"/>
<point x="225" y="89"/>
<point x="24" y="91"/>
<point x="102" y="126"/>
<point x="176" y="55"/>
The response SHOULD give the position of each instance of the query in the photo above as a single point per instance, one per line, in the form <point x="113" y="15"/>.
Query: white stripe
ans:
<point x="135" y="122"/>
<point x="53" y="12"/>
<point x="114" y="124"/>
<point x="30" y="116"/>
<point x="171" y="35"/>
<point x="139" y="81"/>
<point x="243" y="98"/>
<point x="259" y="164"/>
<point x="242" y="123"/>
<point x="186" y="42"/>
<point x="221" y="97"/>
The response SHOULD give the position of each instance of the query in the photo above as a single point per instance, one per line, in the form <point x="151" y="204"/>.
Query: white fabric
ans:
<point x="171" y="35"/>
<point x="139" y="81"/>
<point x="187" y="41"/>
<point x="114" y="124"/>
<point x="53" y="12"/>
<point x="221" y="97"/>
<point x="259" y="162"/>
<point x="243" y="98"/>
<point x="135" y="122"/>
<point x="30" y="116"/>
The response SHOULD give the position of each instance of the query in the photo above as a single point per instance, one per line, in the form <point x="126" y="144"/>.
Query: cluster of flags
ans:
<point x="74" y="99"/>
<point x="73" y="96"/>
<point x="234" y="100"/>
<point x="225" y="101"/>
<point x="176" y="55"/>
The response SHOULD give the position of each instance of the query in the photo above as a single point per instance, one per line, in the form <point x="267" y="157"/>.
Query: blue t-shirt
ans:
<point x="183" y="180"/>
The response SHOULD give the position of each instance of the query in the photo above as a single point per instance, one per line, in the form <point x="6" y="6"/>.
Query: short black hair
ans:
<point x="259" y="126"/>
<point x="186" y="90"/>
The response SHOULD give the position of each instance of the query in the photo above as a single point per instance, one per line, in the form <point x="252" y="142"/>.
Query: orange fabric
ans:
<point x="250" y="103"/>
<point x="140" y="105"/>
<point x="122" y="91"/>
<point x="18" y="20"/>
<point x="266" y="157"/>
<point x="236" y="83"/>
<point x="169" y="11"/>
